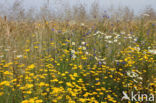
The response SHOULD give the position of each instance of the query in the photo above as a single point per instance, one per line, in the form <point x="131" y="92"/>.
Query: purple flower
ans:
<point x="59" y="31"/>
<point x="123" y="62"/>
<point x="53" y="29"/>
<point x="97" y="80"/>
<point x="153" y="24"/>
<point x="88" y="33"/>
<point x="118" y="63"/>
<point x="148" y="32"/>
<point x="100" y="63"/>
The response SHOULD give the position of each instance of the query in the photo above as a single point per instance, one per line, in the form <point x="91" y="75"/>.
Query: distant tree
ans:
<point x="67" y="11"/>
<point x="80" y="12"/>
<point x="17" y="12"/>
<point x="94" y="10"/>
<point x="45" y="11"/>
<point x="127" y="14"/>
<point x="149" y="12"/>
<point x="30" y="14"/>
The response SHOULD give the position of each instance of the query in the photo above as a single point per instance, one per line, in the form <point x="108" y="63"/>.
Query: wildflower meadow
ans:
<point x="51" y="61"/>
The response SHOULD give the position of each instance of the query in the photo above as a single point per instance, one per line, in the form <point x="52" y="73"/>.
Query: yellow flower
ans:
<point x="80" y="81"/>
<point x="25" y="101"/>
<point x="1" y="93"/>
<point x="39" y="101"/>
<point x="6" y="83"/>
<point x="31" y="100"/>
<point x="97" y="79"/>
<point x="60" y="82"/>
<point x="98" y="83"/>
<point x="7" y="73"/>
<point x="29" y="92"/>
<point x="31" y="66"/>
<point x="27" y="50"/>
<point x="55" y="101"/>
<point x="69" y="84"/>
<point x="75" y="75"/>
<point x="29" y="85"/>
<point x="36" y="47"/>
<point x="42" y="84"/>
<point x="82" y="100"/>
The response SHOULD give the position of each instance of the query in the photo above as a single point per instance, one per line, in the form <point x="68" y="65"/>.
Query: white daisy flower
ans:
<point x="19" y="56"/>
<point x="73" y="43"/>
<point x="83" y="43"/>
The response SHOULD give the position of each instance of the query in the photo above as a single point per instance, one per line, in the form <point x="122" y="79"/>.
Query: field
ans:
<point x="77" y="62"/>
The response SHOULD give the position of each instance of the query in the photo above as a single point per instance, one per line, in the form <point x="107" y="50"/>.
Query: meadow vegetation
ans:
<point x="84" y="58"/>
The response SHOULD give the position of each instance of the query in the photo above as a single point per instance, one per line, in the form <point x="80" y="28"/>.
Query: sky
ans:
<point x="136" y="5"/>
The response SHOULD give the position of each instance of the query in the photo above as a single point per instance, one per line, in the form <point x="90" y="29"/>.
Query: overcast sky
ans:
<point x="136" y="5"/>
